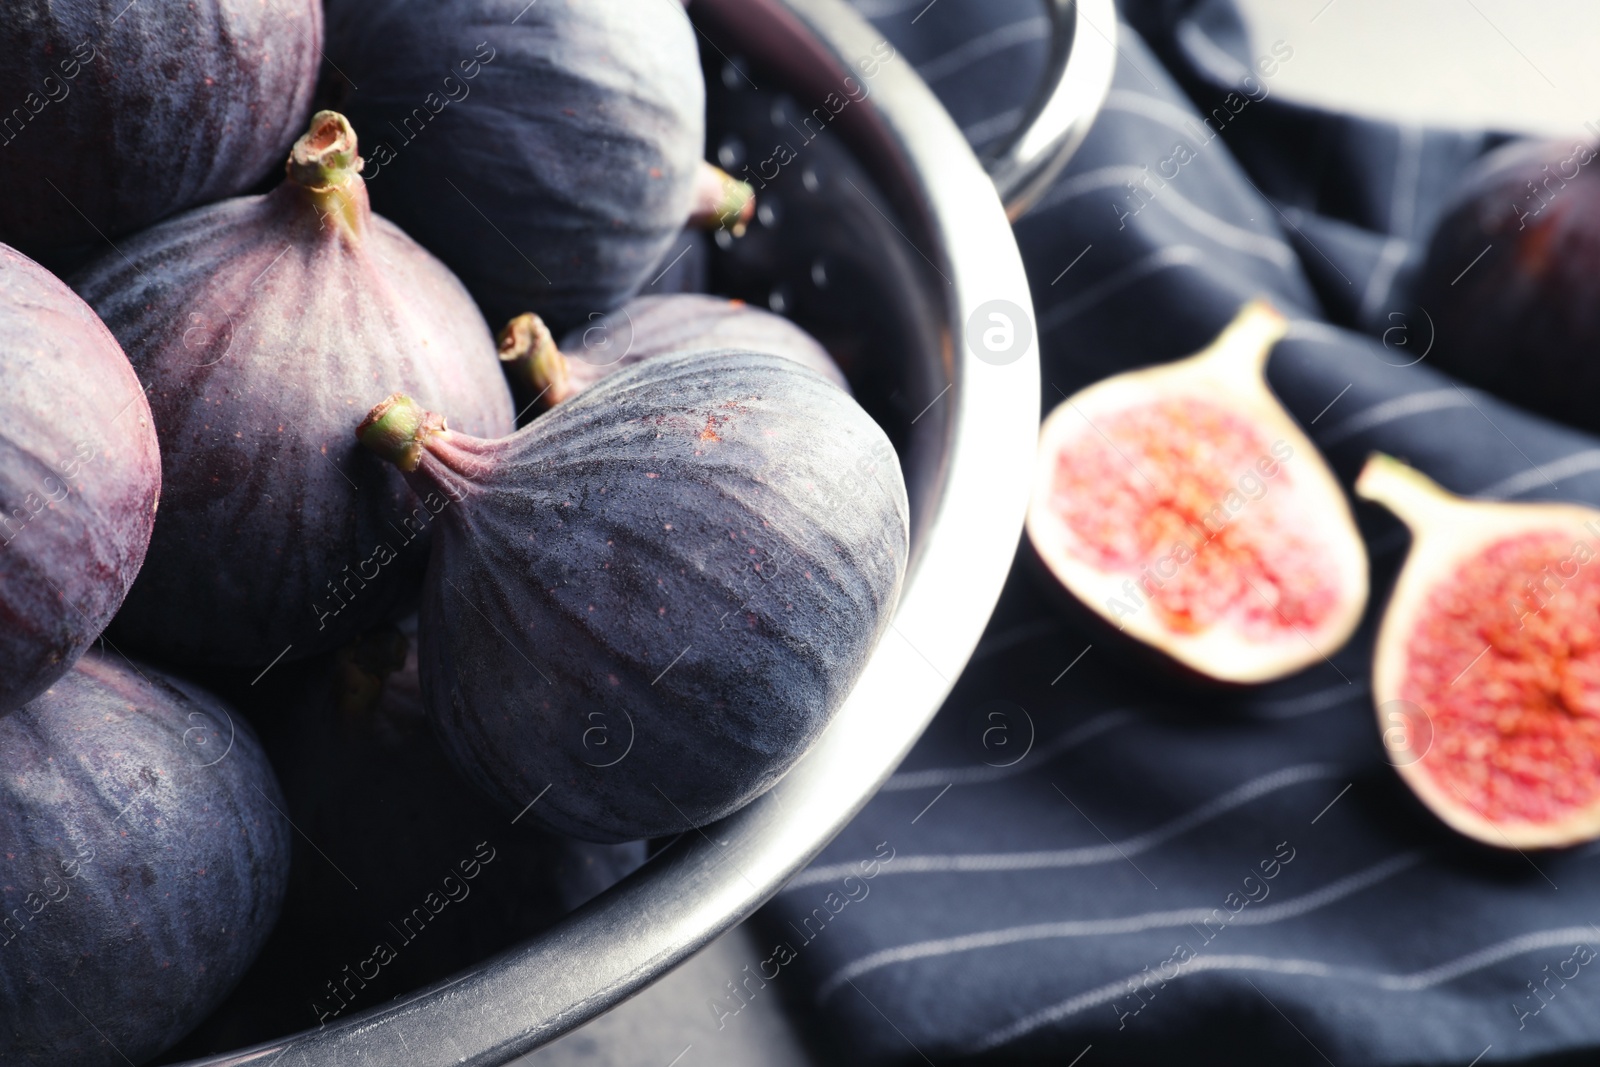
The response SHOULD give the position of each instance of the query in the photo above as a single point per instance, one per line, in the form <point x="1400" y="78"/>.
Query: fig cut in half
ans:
<point x="1487" y="671"/>
<point x="1182" y="504"/>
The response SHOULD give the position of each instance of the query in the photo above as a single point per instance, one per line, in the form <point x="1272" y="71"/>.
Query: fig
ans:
<point x="1181" y="504"/>
<point x="644" y="328"/>
<point x="549" y="153"/>
<point x="651" y="600"/>
<point x="121" y="114"/>
<point x="721" y="201"/>
<point x="1486" y="674"/>
<point x="256" y="324"/>
<point x="686" y="267"/>
<point x="367" y="781"/>
<point x="1511" y="279"/>
<point x="80" y="473"/>
<point x="143" y="860"/>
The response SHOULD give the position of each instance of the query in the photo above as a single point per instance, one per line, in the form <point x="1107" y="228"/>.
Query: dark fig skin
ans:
<point x="686" y="267"/>
<point x="548" y="153"/>
<point x="1522" y="321"/>
<point x="80" y="475"/>
<point x="367" y="781"/>
<point x="115" y="115"/>
<point x="651" y="601"/>
<point x="646" y="327"/>
<point x="142" y="864"/>
<point x="259" y="325"/>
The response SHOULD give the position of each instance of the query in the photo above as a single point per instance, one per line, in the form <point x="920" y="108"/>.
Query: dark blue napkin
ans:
<point x="1079" y="864"/>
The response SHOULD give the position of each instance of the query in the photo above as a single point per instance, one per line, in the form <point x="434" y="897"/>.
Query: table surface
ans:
<point x="1502" y="63"/>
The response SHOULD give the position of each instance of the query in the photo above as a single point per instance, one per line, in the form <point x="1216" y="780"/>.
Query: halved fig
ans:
<point x="1181" y="504"/>
<point x="1487" y="670"/>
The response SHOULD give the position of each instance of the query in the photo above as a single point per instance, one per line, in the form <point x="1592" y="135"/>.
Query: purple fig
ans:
<point x="80" y="474"/>
<point x="644" y="328"/>
<point x="258" y="325"/>
<point x="143" y="860"/>
<point x="118" y="114"/>
<point x="367" y="781"/>
<point x="646" y="605"/>
<point x="548" y="152"/>
<point x="1511" y="282"/>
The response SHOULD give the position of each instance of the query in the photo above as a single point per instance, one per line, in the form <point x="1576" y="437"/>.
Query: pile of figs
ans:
<point x="319" y="678"/>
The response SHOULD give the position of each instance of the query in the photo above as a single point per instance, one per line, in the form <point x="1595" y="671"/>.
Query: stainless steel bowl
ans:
<point x="886" y="237"/>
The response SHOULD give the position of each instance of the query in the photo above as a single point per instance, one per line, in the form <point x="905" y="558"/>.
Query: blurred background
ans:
<point x="1523" y="67"/>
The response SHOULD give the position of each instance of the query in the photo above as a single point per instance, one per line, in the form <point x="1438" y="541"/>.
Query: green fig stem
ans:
<point x="721" y="201"/>
<point x="1417" y="500"/>
<point x="1245" y="343"/>
<point x="534" y="362"/>
<point x="325" y="164"/>
<point x="398" y="429"/>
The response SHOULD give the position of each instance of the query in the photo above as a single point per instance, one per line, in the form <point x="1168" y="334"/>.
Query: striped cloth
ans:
<point x="1078" y="862"/>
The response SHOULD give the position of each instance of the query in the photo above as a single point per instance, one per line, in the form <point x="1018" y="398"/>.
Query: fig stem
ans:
<point x="533" y="361"/>
<point x="1246" y="342"/>
<point x="721" y="201"/>
<point x="1416" y="499"/>
<point x="325" y="164"/>
<point x="397" y="429"/>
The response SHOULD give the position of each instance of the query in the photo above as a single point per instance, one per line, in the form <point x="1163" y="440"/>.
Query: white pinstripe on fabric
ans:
<point x="993" y="126"/>
<point x="1153" y="108"/>
<point x="1401" y="407"/>
<point x="1308" y="703"/>
<point x="1129" y="924"/>
<point x="877" y="9"/>
<point x="1394" y="253"/>
<point x="996" y="40"/>
<point x="938" y="777"/>
<point x="1218" y="62"/>
<point x="1408" y="983"/>
<point x="1084" y="856"/>
<point x="1585" y="462"/>
<point x="1407" y="175"/>
<point x="1159" y="260"/>
<point x="1223" y="232"/>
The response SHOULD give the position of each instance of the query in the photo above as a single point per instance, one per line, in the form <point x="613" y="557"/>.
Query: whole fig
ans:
<point x="80" y="473"/>
<point x="644" y="328"/>
<point x="143" y="860"/>
<point x="446" y="879"/>
<point x="1511" y="282"/>
<point x="549" y="152"/>
<point x="258" y="325"/>
<point x="645" y="606"/>
<point x="115" y="114"/>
